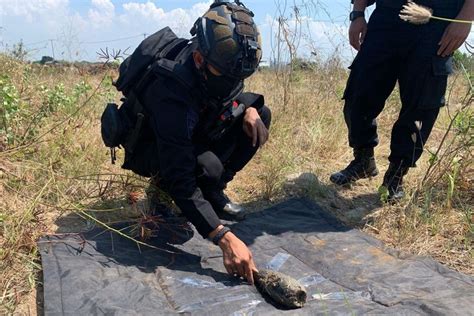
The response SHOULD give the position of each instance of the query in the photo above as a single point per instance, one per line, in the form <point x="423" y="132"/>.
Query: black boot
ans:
<point x="219" y="200"/>
<point x="159" y="203"/>
<point x="393" y="183"/>
<point x="363" y="166"/>
<point x="221" y="203"/>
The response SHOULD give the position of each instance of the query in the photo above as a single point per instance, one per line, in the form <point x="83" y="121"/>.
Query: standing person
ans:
<point x="191" y="129"/>
<point x="419" y="57"/>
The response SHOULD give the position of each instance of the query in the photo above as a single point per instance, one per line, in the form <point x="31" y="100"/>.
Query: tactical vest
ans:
<point x="160" y="54"/>
<point x="122" y="126"/>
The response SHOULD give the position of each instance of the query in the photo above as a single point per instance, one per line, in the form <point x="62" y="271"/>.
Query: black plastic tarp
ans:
<point x="344" y="270"/>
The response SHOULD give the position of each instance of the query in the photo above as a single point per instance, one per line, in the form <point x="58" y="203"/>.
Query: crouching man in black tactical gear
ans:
<point x="419" y="57"/>
<point x="190" y="127"/>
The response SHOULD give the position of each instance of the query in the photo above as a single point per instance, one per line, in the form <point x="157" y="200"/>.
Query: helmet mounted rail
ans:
<point x="229" y="39"/>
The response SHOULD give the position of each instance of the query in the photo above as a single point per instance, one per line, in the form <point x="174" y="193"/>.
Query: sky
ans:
<point x="78" y="29"/>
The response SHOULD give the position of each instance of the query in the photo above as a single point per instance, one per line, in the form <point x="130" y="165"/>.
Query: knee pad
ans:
<point x="210" y="168"/>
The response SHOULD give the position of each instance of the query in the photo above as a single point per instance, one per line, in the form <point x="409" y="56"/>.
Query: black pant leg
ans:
<point x="373" y="76"/>
<point x="409" y="135"/>
<point x="235" y="149"/>
<point x="423" y="82"/>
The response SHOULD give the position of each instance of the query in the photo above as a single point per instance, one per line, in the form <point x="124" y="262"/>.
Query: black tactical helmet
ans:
<point x="229" y="39"/>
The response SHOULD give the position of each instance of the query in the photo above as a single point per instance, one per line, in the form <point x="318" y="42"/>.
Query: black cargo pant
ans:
<point x="393" y="51"/>
<point x="234" y="151"/>
<point x="230" y="154"/>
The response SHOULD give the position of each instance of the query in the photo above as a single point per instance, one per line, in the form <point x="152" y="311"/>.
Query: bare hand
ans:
<point x="357" y="32"/>
<point x="254" y="127"/>
<point x="237" y="257"/>
<point x="453" y="37"/>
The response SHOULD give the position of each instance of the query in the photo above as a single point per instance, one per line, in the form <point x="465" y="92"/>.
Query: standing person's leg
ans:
<point x="373" y="76"/>
<point x="423" y="83"/>
<point x="409" y="134"/>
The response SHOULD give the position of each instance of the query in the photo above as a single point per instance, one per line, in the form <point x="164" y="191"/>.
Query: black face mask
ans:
<point x="218" y="87"/>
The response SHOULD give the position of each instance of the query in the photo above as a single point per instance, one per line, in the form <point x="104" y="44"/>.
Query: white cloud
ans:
<point x="307" y="36"/>
<point x="102" y="14"/>
<point x="201" y="7"/>
<point x="104" y="20"/>
<point x="101" y="21"/>
<point x="103" y="5"/>
<point x="31" y="8"/>
<point x="151" y="16"/>
<point x="36" y="21"/>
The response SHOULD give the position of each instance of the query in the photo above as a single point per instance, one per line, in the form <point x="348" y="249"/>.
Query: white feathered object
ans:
<point x="418" y="14"/>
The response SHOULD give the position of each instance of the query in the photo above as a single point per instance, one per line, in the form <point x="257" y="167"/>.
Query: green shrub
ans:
<point x="10" y="101"/>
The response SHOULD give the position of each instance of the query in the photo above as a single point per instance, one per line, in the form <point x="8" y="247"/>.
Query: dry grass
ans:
<point x="309" y="136"/>
<point x="61" y="166"/>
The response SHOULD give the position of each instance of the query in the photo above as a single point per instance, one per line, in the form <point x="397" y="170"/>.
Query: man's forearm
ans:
<point x="199" y="212"/>
<point x="360" y="5"/>
<point x="467" y="12"/>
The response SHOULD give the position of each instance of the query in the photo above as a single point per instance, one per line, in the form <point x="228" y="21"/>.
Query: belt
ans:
<point x="450" y="7"/>
<point x="392" y="4"/>
<point x="397" y="4"/>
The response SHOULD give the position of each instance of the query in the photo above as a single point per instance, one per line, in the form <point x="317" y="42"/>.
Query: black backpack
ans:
<point x="121" y="126"/>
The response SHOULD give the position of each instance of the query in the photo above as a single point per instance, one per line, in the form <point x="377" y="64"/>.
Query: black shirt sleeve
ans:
<point x="173" y="117"/>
